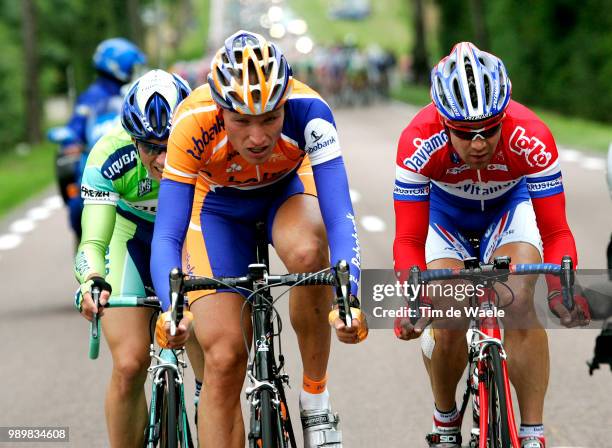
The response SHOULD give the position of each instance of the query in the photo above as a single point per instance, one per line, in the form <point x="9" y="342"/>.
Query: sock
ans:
<point x="314" y="394"/>
<point x="198" y="389"/>
<point x="536" y="430"/>
<point x="448" y="418"/>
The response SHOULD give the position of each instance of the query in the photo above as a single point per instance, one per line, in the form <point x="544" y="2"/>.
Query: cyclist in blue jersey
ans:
<point x="96" y="108"/>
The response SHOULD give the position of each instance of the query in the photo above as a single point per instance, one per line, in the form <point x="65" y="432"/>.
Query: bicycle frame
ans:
<point x="486" y="347"/>
<point x="486" y="332"/>
<point x="166" y="364"/>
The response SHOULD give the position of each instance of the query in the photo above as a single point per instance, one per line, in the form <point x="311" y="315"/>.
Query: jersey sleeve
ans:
<point x="174" y="210"/>
<point x="98" y="223"/>
<point x="97" y="184"/>
<point x="411" y="204"/>
<point x="338" y="216"/>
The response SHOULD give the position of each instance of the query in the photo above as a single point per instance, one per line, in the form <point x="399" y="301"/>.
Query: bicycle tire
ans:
<point x="498" y="431"/>
<point x="169" y="414"/>
<point x="267" y="420"/>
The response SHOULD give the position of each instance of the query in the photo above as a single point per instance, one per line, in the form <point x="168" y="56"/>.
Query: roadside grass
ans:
<point x="570" y="132"/>
<point x="24" y="173"/>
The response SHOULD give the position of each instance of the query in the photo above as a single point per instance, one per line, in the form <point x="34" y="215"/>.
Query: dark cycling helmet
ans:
<point x="470" y="85"/>
<point x="149" y="104"/>
<point x="249" y="75"/>
<point x="117" y="57"/>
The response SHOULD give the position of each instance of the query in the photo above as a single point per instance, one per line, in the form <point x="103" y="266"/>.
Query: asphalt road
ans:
<point x="379" y="387"/>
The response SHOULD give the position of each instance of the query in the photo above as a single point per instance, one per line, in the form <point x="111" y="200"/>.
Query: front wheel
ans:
<point x="498" y="431"/>
<point x="267" y="426"/>
<point x="169" y="412"/>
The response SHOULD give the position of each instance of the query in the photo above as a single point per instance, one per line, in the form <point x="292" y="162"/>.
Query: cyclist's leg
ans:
<point x="299" y="238"/>
<point x="220" y="245"/>
<point x="445" y="247"/>
<point x="127" y="333"/>
<point x="298" y="234"/>
<point x="525" y="340"/>
<point x="218" y="330"/>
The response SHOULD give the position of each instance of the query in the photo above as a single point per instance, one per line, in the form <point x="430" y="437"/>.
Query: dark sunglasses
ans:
<point x="465" y="135"/>
<point x="151" y="148"/>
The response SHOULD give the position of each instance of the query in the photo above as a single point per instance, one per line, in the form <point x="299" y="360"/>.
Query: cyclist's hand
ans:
<point x="354" y="334"/>
<point x="579" y="316"/>
<point x="84" y="302"/>
<point x="162" y="330"/>
<point x="406" y="330"/>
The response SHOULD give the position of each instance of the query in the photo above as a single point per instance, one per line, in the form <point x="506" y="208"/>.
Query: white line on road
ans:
<point x="22" y="226"/>
<point x="355" y="196"/>
<point x="10" y="241"/>
<point x="594" y="163"/>
<point x="373" y="223"/>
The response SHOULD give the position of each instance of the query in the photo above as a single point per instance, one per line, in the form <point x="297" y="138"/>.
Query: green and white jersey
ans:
<point x="115" y="175"/>
<point x="120" y="205"/>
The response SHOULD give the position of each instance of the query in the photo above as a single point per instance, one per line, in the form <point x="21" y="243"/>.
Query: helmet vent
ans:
<point x="253" y="79"/>
<point x="457" y="93"/>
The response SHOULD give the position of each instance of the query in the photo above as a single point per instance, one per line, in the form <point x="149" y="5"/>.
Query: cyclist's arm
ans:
<point x="338" y="216"/>
<point x="556" y="235"/>
<point x="98" y="222"/>
<point x="174" y="211"/>
<point x="411" y="227"/>
<point x="411" y="203"/>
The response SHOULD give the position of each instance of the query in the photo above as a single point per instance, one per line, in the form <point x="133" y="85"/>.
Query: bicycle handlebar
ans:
<point x="179" y="284"/>
<point x="499" y="271"/>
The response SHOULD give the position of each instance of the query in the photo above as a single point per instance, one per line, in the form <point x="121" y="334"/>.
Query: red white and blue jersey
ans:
<point x="526" y="153"/>
<point x="525" y="166"/>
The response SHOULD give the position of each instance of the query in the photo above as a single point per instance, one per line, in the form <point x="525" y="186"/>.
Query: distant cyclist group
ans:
<point x="181" y="177"/>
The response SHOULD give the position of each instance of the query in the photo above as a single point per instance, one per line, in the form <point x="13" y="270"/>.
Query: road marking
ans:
<point x="355" y="196"/>
<point x="594" y="163"/>
<point x="54" y="202"/>
<point x="373" y="223"/>
<point x="22" y="226"/>
<point x="10" y="241"/>
<point x="38" y="213"/>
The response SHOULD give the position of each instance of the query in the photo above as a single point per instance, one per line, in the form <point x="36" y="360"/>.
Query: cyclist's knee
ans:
<point x="224" y="368"/>
<point x="449" y="341"/>
<point x="130" y="371"/>
<point x="309" y="255"/>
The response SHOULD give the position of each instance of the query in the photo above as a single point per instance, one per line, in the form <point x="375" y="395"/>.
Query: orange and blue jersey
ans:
<point x="208" y="187"/>
<point x="431" y="177"/>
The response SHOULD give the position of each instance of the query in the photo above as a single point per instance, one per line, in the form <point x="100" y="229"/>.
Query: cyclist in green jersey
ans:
<point x="119" y="188"/>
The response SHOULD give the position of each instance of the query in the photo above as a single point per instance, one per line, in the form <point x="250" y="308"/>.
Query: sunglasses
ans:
<point x="465" y="135"/>
<point x="151" y="149"/>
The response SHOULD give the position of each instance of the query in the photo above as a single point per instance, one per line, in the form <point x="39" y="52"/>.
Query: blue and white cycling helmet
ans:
<point x="118" y="57"/>
<point x="149" y="104"/>
<point x="470" y="85"/>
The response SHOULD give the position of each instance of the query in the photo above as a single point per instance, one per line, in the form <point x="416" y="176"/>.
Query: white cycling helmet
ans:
<point x="470" y="85"/>
<point x="249" y="75"/>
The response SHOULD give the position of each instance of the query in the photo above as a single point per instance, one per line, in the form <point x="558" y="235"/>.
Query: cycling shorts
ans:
<point x="128" y="256"/>
<point x="512" y="222"/>
<point x="220" y="240"/>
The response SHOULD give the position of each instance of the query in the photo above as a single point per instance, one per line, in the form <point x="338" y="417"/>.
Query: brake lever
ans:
<point x="343" y="291"/>
<point x="567" y="282"/>
<point x="177" y="300"/>
<point x="95" y="295"/>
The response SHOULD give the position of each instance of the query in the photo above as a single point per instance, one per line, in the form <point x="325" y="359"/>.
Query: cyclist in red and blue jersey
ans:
<point x="255" y="144"/>
<point x="476" y="163"/>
